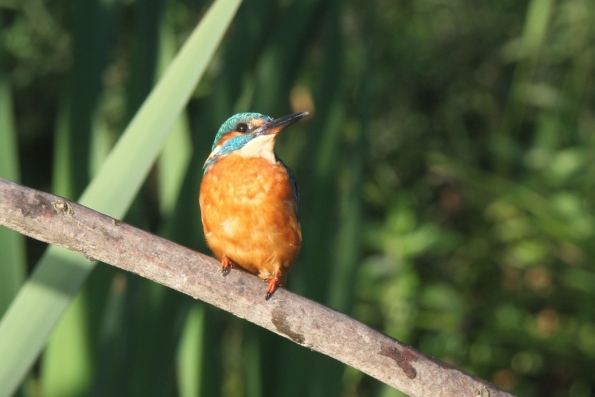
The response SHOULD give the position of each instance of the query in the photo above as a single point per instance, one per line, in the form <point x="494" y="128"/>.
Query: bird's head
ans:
<point x="249" y="135"/>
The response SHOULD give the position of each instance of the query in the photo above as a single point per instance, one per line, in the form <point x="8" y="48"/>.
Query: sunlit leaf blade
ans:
<point x="59" y="274"/>
<point x="190" y="353"/>
<point x="177" y="151"/>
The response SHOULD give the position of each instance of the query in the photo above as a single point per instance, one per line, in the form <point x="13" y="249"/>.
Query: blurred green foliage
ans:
<point x="447" y="180"/>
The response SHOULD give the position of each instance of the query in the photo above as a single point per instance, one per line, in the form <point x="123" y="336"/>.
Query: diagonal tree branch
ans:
<point x="61" y="222"/>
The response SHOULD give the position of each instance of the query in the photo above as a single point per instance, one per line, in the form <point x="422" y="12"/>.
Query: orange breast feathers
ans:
<point x="249" y="215"/>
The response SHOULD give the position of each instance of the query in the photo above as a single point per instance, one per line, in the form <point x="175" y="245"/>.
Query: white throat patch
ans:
<point x="261" y="146"/>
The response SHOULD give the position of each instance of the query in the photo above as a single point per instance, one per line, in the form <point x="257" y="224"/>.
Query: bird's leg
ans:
<point x="225" y="266"/>
<point x="273" y="284"/>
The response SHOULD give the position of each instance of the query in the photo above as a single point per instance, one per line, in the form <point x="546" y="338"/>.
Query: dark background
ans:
<point x="446" y="176"/>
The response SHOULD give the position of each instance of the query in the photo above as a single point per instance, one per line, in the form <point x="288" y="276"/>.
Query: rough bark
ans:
<point x="61" y="222"/>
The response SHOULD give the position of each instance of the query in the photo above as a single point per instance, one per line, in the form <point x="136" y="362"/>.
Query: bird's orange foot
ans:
<point x="273" y="284"/>
<point x="225" y="266"/>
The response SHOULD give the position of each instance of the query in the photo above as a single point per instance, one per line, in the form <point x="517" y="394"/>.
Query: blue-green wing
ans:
<point x="294" y="185"/>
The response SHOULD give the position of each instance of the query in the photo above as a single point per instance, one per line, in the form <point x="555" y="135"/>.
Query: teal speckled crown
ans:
<point x="234" y="120"/>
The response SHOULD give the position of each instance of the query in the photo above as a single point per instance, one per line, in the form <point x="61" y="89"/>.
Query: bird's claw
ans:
<point x="270" y="292"/>
<point x="225" y="266"/>
<point x="273" y="285"/>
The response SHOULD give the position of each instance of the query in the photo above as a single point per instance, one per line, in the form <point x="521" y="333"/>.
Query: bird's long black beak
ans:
<point x="278" y="125"/>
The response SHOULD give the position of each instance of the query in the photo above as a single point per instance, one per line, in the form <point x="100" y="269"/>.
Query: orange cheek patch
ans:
<point x="256" y="123"/>
<point x="228" y="136"/>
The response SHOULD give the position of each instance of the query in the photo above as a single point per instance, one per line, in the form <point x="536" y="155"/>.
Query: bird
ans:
<point x="249" y="199"/>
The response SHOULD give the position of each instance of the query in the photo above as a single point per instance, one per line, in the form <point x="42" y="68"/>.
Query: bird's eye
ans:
<point x="242" y="127"/>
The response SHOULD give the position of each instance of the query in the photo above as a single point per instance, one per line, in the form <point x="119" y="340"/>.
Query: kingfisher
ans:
<point x="249" y="199"/>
